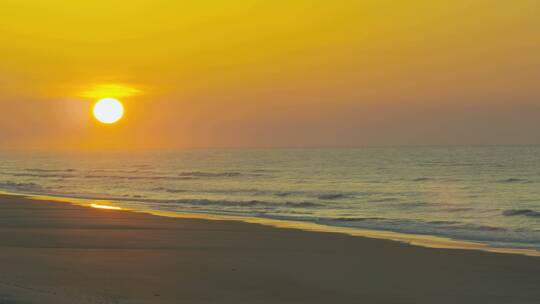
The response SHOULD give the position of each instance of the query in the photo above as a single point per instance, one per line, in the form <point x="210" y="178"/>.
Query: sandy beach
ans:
<point x="54" y="252"/>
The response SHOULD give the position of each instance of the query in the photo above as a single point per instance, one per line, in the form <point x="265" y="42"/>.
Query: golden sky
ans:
<point x="244" y="73"/>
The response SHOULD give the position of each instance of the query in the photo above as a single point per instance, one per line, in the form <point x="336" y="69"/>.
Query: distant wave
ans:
<point x="136" y="196"/>
<point x="443" y="222"/>
<point x="140" y="177"/>
<point x="49" y="170"/>
<point x="523" y="212"/>
<point x="384" y="200"/>
<point x="514" y="180"/>
<point x="321" y="196"/>
<point x="169" y="190"/>
<point x="458" y="209"/>
<point x="13" y="186"/>
<point x="209" y="174"/>
<point x="441" y="179"/>
<point x="180" y="176"/>
<point x="44" y="175"/>
<point x="283" y="193"/>
<point x="356" y="219"/>
<point x="120" y="171"/>
<point x="142" y="165"/>
<point x="331" y="196"/>
<point x="422" y="179"/>
<point x="413" y="204"/>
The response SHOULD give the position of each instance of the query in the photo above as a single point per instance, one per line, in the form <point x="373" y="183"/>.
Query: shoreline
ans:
<point x="422" y="240"/>
<point x="57" y="253"/>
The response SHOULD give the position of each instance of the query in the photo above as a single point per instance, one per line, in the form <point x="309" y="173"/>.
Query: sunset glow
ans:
<point x="367" y="128"/>
<point x="269" y="74"/>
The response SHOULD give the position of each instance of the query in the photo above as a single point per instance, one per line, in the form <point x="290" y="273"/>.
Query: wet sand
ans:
<point x="53" y="252"/>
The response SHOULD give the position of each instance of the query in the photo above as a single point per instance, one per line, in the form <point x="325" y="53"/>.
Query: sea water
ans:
<point x="484" y="194"/>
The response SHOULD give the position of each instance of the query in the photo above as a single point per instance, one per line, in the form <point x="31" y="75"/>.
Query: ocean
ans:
<point x="488" y="194"/>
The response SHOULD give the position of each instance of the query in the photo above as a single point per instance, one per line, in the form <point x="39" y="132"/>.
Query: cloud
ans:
<point x="110" y="90"/>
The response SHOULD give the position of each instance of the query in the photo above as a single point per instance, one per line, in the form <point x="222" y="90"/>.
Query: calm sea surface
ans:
<point x="486" y="194"/>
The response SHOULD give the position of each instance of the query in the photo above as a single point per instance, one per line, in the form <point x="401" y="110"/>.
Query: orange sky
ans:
<point x="269" y="73"/>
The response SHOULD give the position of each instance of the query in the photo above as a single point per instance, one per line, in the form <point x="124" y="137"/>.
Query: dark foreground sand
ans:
<point x="61" y="253"/>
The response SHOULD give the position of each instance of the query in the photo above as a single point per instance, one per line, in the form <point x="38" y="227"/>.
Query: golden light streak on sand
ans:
<point x="98" y="206"/>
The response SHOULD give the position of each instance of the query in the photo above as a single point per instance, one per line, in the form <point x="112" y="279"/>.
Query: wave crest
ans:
<point x="523" y="212"/>
<point x="252" y="203"/>
<point x="209" y="174"/>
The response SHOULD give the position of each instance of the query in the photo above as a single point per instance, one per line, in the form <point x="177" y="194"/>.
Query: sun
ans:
<point x="108" y="110"/>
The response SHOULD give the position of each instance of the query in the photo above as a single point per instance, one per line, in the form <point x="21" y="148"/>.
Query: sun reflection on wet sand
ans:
<point x="98" y="206"/>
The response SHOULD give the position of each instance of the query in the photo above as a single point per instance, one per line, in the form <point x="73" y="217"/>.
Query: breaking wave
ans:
<point x="252" y="203"/>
